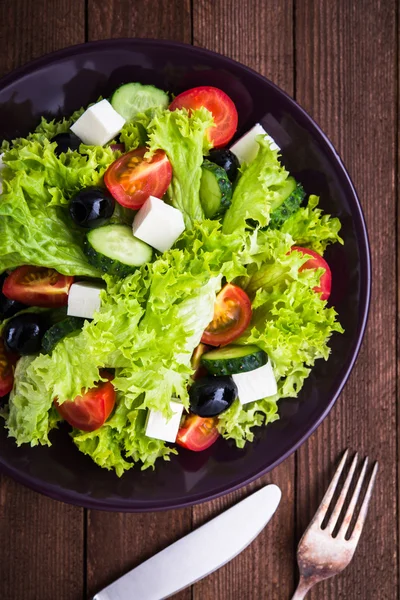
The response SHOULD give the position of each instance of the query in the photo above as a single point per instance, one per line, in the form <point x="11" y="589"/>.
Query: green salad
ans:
<point x="162" y="287"/>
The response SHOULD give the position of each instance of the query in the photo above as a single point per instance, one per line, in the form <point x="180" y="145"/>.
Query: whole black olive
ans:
<point x="91" y="207"/>
<point x="210" y="395"/>
<point x="227" y="160"/>
<point x="66" y="141"/>
<point x="8" y="307"/>
<point x="23" y="334"/>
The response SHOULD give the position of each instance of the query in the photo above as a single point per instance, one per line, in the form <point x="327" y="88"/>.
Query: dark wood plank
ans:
<point x="346" y="64"/>
<point x="133" y="537"/>
<point x="41" y="550"/>
<point x="123" y="18"/>
<point x="258" y="34"/>
<point x="30" y="29"/>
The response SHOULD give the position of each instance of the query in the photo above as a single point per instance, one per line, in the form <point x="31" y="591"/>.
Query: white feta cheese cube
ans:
<point x="246" y="147"/>
<point x="99" y="124"/>
<point x="160" y="428"/>
<point x="255" y="385"/>
<point x="158" y="224"/>
<point x="83" y="299"/>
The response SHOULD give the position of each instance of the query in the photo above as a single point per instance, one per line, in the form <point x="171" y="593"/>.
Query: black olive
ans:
<point x="91" y="207"/>
<point x="66" y="141"/>
<point x="8" y="307"/>
<point x="210" y="395"/>
<point x="23" y="334"/>
<point x="227" y="160"/>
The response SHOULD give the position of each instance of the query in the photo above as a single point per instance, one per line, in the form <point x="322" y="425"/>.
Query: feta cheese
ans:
<point x="255" y="385"/>
<point x="158" y="224"/>
<point x="83" y="299"/>
<point x="160" y="428"/>
<point x="99" y="124"/>
<point x="246" y="147"/>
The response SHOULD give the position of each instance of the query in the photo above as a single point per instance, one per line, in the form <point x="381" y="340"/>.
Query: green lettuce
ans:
<point x="257" y="192"/>
<point x="33" y="232"/>
<point x="311" y="228"/>
<point x="183" y="137"/>
<point x="146" y="329"/>
<point x="290" y="323"/>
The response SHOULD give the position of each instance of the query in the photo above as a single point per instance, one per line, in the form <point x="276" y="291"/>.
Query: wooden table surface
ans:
<point x="338" y="59"/>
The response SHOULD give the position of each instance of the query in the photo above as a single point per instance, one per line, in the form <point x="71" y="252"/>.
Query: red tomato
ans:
<point x="131" y="179"/>
<point x="7" y="362"/>
<point x="232" y="315"/>
<point x="38" y="286"/>
<point x="317" y="262"/>
<point x="220" y="106"/>
<point x="90" y="411"/>
<point x="197" y="433"/>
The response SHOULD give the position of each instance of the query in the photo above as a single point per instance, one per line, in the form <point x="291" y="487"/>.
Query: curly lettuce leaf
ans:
<point x="258" y="191"/>
<point x="183" y="137"/>
<point x="63" y="175"/>
<point x="290" y="323"/>
<point x="33" y="232"/>
<point x="311" y="228"/>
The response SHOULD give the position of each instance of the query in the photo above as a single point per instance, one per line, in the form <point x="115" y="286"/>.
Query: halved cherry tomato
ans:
<point x="232" y="315"/>
<point x="131" y="179"/>
<point x="38" y="286"/>
<point x="197" y="433"/>
<point x="7" y="362"/>
<point x="90" y="411"/>
<point x="317" y="262"/>
<point x="220" y="106"/>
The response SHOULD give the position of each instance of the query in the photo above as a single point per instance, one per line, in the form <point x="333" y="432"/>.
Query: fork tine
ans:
<point x="333" y="519"/>
<point x="358" y="527"/>
<point x="350" y="509"/>
<point x="326" y="500"/>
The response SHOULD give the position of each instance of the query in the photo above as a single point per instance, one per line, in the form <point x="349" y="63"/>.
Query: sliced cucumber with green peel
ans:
<point x="215" y="190"/>
<point x="233" y="359"/>
<point x="59" y="331"/>
<point x="133" y="98"/>
<point x="114" y="250"/>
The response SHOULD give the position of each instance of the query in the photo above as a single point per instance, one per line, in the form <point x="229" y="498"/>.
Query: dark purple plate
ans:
<point x="58" y="84"/>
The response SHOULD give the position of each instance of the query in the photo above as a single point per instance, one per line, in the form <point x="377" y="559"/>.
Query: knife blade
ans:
<point x="199" y="553"/>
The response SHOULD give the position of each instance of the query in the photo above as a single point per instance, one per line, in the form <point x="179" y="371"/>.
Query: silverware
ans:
<point x="199" y="553"/>
<point x="327" y="548"/>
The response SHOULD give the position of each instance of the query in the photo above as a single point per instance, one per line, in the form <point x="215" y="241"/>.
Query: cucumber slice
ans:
<point x="215" y="190"/>
<point x="234" y="359"/>
<point x="114" y="250"/>
<point x="133" y="98"/>
<point x="59" y="331"/>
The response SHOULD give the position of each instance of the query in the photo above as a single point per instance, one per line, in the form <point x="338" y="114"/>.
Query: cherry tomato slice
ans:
<point x="197" y="433"/>
<point x="131" y="179"/>
<point x="7" y="362"/>
<point x="219" y="104"/>
<point x="232" y="315"/>
<point x="38" y="286"/>
<point x="90" y="411"/>
<point x="317" y="262"/>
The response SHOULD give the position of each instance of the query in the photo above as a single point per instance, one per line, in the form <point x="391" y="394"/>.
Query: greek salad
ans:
<point x="161" y="286"/>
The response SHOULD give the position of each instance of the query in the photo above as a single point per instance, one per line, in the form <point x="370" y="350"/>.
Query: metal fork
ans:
<point x="321" y="554"/>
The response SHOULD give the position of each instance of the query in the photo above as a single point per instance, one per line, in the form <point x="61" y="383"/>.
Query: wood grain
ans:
<point x="41" y="549"/>
<point x="30" y="29"/>
<point x="258" y="34"/>
<point x="124" y="18"/>
<point x="346" y="61"/>
<point x="133" y="537"/>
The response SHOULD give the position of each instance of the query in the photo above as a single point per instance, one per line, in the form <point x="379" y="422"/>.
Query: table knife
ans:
<point x="199" y="553"/>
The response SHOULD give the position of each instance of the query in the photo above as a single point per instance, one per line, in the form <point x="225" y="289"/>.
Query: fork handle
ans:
<point x="302" y="589"/>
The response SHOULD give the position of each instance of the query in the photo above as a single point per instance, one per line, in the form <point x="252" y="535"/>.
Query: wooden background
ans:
<point x="339" y="59"/>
